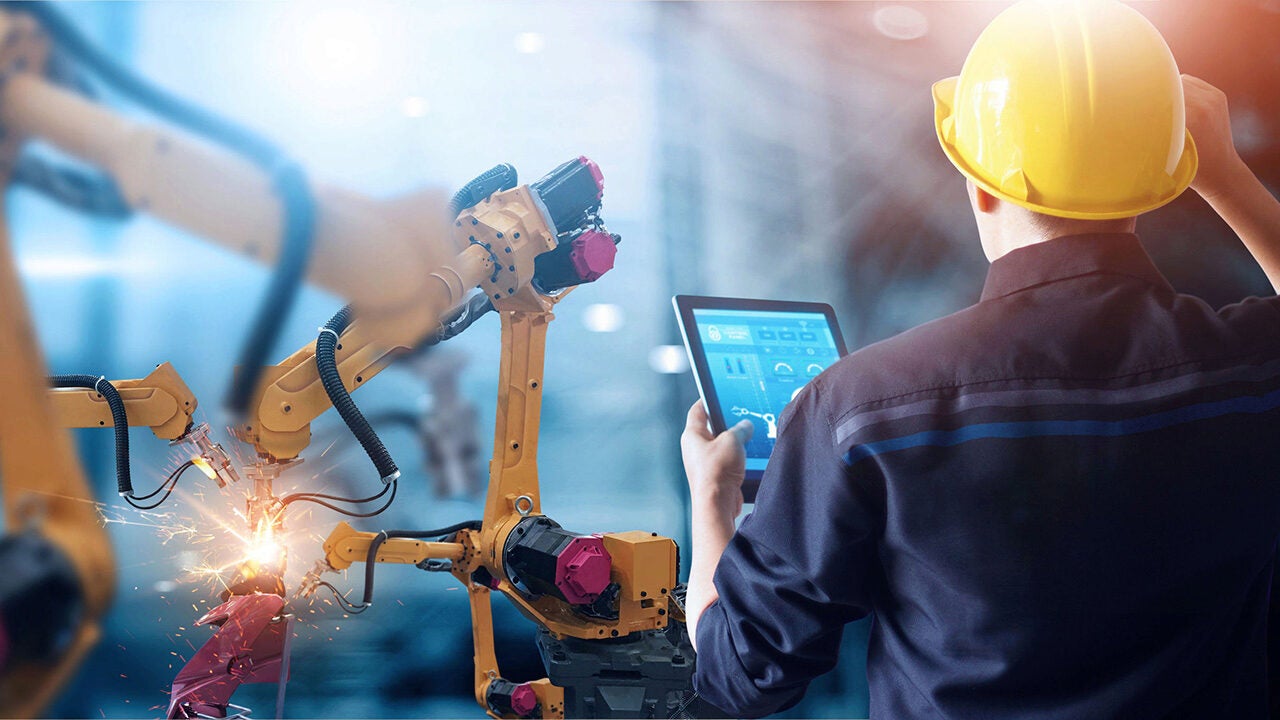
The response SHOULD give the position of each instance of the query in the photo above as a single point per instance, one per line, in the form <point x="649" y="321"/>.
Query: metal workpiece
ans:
<point x="250" y="645"/>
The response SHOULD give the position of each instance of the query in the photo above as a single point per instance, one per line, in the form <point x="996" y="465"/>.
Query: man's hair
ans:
<point x="1055" y="226"/>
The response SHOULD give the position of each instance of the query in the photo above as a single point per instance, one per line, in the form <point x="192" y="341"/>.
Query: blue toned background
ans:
<point x="776" y="150"/>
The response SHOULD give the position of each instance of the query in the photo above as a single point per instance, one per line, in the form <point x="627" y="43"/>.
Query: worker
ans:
<point x="1063" y="501"/>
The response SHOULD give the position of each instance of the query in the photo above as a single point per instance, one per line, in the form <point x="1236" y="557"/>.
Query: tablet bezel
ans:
<point x="685" y="305"/>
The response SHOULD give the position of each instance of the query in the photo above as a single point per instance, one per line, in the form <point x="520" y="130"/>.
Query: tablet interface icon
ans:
<point x="770" y="420"/>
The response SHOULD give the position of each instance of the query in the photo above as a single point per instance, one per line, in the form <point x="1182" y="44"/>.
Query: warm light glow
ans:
<point x="900" y="22"/>
<point x="266" y="553"/>
<point x="204" y="466"/>
<point x="264" y="550"/>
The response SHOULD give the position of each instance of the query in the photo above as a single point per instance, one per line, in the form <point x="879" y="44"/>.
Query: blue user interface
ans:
<point x="758" y="362"/>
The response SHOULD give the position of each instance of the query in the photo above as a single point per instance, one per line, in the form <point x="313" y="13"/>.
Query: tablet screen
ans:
<point x="757" y="361"/>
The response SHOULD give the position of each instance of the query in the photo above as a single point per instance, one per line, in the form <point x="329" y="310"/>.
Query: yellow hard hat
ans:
<point x="1071" y="108"/>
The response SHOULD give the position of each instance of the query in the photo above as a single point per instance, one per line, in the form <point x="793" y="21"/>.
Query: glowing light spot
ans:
<point x="341" y="45"/>
<point x="530" y="43"/>
<point x="204" y="466"/>
<point x="669" y="359"/>
<point x="900" y="22"/>
<point x="603" y="318"/>
<point x="415" y="107"/>
<point x="265" y="553"/>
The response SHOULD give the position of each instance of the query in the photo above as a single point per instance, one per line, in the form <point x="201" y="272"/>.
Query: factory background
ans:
<point x="780" y="150"/>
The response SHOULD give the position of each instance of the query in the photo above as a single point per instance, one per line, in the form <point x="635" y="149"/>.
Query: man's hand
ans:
<point x="1210" y="124"/>
<point x="715" y="467"/>
<point x="1226" y="183"/>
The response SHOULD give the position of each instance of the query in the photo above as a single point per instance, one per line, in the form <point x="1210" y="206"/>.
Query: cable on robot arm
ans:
<point x="119" y="419"/>
<point x="167" y="486"/>
<point x="476" y="306"/>
<point x="327" y="365"/>
<point x="498" y="178"/>
<point x="314" y="498"/>
<point x="89" y="192"/>
<point x="371" y="559"/>
<point x="346" y="605"/>
<point x="290" y="183"/>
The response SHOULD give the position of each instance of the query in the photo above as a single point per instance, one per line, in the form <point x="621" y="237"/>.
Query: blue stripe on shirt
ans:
<point x="1040" y="428"/>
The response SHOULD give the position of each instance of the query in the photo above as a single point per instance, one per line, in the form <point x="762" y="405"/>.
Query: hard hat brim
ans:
<point x="943" y="116"/>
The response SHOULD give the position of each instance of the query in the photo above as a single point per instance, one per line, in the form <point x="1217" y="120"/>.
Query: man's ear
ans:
<point x="983" y="200"/>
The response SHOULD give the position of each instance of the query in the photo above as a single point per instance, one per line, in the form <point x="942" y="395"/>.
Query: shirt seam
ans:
<point x="1094" y="271"/>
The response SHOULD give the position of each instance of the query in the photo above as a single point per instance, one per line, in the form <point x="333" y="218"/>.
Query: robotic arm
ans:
<point x="523" y="246"/>
<point x="392" y="259"/>
<point x="579" y="589"/>
<point x="161" y="401"/>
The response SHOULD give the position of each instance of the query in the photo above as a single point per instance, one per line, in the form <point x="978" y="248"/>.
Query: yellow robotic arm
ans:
<point x="403" y="268"/>
<point x="580" y="589"/>
<point x="394" y="260"/>
<point x="161" y="401"/>
<point x="379" y="254"/>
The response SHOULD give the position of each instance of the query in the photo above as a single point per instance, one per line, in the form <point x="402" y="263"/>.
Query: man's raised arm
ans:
<point x="1226" y="183"/>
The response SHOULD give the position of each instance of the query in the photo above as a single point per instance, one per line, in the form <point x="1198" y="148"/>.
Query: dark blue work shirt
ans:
<point x="1062" y="502"/>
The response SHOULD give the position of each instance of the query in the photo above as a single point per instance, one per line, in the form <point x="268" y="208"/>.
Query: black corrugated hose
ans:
<point x="327" y="366"/>
<point x="288" y="181"/>
<point x="475" y="306"/>
<point x="124" y="483"/>
<point x="372" y="558"/>
<point x="498" y="177"/>
<point x="295" y="250"/>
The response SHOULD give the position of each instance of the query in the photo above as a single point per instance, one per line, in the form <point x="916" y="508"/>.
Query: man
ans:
<point x="1062" y="502"/>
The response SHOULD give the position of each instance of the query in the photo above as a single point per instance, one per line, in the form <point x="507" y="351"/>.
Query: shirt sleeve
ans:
<point x="800" y="566"/>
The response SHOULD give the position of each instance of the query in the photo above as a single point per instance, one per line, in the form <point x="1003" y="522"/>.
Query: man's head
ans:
<point x="1067" y="118"/>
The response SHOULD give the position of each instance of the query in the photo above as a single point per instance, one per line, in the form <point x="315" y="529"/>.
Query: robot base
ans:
<point x="644" y="675"/>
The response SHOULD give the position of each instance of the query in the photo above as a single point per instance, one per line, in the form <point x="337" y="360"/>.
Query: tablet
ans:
<point x="751" y="357"/>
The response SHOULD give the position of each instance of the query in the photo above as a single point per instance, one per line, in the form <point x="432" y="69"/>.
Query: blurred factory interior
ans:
<point x="777" y="150"/>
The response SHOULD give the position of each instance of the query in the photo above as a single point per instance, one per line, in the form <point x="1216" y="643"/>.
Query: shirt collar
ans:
<point x="1067" y="257"/>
